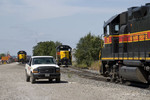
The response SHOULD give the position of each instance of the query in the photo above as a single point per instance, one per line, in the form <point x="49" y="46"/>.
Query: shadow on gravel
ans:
<point x="138" y="85"/>
<point x="47" y="82"/>
<point x="21" y="64"/>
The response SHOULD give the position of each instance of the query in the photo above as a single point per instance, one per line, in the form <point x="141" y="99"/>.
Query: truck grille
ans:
<point x="47" y="69"/>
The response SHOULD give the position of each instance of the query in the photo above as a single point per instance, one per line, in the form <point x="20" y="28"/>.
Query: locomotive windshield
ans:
<point x="21" y="52"/>
<point x="63" y="47"/>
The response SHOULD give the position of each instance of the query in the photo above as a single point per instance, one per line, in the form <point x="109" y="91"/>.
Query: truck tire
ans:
<point x="27" y="77"/>
<point x="32" y="79"/>
<point x="58" y="80"/>
<point x="50" y="80"/>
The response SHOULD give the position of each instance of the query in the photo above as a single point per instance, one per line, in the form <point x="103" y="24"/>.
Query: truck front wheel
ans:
<point x="27" y="77"/>
<point x="32" y="79"/>
<point x="58" y="80"/>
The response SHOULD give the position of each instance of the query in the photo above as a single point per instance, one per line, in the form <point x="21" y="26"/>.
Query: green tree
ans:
<point x="2" y="55"/>
<point x="87" y="49"/>
<point x="47" y="48"/>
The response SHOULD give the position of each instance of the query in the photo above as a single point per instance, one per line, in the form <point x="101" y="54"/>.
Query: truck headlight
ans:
<point x="35" y="70"/>
<point x="58" y="70"/>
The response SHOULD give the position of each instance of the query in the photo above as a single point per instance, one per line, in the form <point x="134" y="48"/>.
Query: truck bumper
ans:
<point x="46" y="75"/>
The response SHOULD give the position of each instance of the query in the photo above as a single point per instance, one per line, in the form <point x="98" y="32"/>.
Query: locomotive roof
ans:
<point x="63" y="46"/>
<point x="130" y="11"/>
<point x="22" y="51"/>
<point x="110" y="20"/>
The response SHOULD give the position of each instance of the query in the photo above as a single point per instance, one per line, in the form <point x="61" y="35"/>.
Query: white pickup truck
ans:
<point x="42" y="67"/>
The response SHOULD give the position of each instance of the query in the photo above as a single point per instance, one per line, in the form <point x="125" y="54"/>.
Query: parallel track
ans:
<point x="84" y="73"/>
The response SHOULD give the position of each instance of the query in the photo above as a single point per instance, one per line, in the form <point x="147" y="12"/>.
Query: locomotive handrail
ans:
<point x="101" y="46"/>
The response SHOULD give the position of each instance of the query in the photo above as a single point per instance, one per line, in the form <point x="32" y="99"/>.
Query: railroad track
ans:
<point x="84" y="73"/>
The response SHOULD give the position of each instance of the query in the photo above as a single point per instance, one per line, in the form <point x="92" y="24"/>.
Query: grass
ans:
<point x="69" y="75"/>
<point x="94" y="66"/>
<point x="79" y="65"/>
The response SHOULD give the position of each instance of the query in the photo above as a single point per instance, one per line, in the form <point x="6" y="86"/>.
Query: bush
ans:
<point x="47" y="48"/>
<point x="87" y="50"/>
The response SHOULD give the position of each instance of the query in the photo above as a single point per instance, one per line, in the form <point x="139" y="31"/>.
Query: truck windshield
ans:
<point x="43" y="61"/>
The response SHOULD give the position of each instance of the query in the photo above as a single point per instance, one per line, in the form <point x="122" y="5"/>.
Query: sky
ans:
<point x="24" y="23"/>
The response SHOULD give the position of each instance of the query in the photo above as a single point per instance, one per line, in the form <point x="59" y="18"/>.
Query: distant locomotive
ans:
<point x="126" y="52"/>
<point x="63" y="55"/>
<point x="22" y="56"/>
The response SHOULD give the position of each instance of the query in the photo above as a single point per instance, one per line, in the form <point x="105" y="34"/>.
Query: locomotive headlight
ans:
<point x="58" y="70"/>
<point x="35" y="70"/>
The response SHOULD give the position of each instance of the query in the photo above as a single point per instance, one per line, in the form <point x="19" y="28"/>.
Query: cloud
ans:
<point x="45" y="9"/>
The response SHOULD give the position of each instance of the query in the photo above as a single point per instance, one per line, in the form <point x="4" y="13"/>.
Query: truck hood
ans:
<point x="44" y="65"/>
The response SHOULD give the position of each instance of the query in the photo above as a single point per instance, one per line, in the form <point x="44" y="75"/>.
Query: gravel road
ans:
<point x="72" y="87"/>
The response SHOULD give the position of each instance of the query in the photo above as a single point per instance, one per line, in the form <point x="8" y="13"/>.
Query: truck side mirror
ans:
<point x="29" y="64"/>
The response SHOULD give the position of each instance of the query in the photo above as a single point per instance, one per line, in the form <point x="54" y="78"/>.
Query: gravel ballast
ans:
<point x="72" y="87"/>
